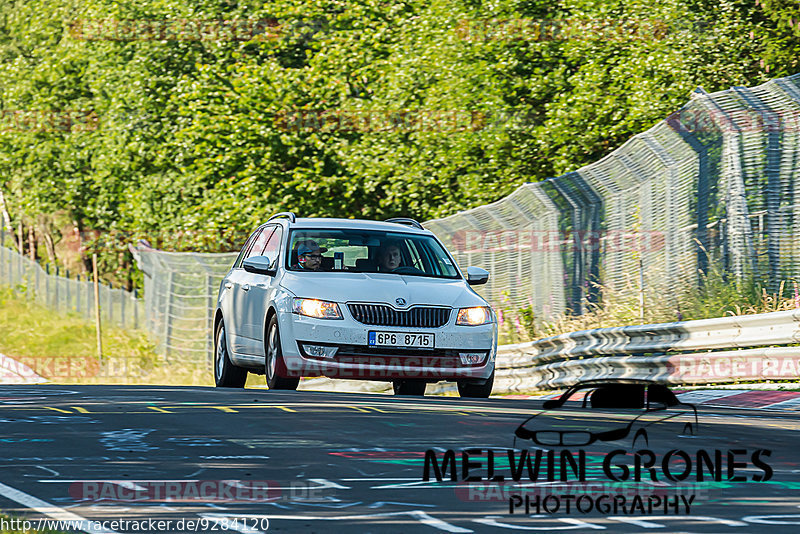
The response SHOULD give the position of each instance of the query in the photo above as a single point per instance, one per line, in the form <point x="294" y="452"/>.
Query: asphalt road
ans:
<point x="265" y="461"/>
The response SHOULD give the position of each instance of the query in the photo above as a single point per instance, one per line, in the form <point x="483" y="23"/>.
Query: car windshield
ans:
<point x="368" y="251"/>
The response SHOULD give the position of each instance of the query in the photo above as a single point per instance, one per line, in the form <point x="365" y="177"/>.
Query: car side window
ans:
<point x="247" y="246"/>
<point x="260" y="242"/>
<point x="273" y="246"/>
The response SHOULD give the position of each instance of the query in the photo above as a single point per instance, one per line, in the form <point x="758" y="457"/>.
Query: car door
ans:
<point x="259" y="289"/>
<point x="227" y="293"/>
<point x="241" y="332"/>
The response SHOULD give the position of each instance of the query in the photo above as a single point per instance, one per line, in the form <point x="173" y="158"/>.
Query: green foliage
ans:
<point x="196" y="141"/>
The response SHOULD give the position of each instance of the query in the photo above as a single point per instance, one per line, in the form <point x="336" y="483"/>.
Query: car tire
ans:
<point x="226" y="375"/>
<point x="409" y="387"/>
<point x="476" y="391"/>
<point x="274" y="365"/>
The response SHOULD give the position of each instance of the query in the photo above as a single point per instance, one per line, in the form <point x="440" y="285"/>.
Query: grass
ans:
<point x="63" y="348"/>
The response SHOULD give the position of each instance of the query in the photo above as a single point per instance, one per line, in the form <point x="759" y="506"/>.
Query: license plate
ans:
<point x="401" y="339"/>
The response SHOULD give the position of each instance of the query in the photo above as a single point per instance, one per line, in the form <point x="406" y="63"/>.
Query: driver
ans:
<point x="309" y="255"/>
<point x="389" y="257"/>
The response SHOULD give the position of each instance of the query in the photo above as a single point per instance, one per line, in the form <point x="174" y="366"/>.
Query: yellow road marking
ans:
<point x="284" y="408"/>
<point x="57" y="409"/>
<point x="225" y="409"/>
<point x="157" y="409"/>
<point x="82" y="410"/>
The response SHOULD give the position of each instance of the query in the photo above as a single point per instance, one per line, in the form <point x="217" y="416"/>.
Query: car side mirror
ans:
<point x="259" y="265"/>
<point x="477" y="276"/>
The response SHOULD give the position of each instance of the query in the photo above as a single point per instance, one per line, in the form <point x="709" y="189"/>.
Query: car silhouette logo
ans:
<point x="400" y="301"/>
<point x="619" y="409"/>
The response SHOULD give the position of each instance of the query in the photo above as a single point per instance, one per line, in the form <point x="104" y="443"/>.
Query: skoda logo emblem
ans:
<point x="400" y="301"/>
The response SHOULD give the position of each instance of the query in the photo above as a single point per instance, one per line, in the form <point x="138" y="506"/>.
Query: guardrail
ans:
<point x="687" y="352"/>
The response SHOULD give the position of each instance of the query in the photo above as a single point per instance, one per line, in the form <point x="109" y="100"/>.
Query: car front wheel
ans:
<point x="226" y="375"/>
<point x="479" y="391"/>
<point x="275" y="366"/>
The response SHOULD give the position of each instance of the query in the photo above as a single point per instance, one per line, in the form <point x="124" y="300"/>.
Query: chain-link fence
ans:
<point x="713" y="182"/>
<point x="62" y="292"/>
<point x="180" y="296"/>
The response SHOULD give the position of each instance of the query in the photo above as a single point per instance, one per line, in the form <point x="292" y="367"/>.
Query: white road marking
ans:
<point x="325" y="483"/>
<point x="381" y="503"/>
<point x="492" y="521"/>
<point x="649" y="522"/>
<point x="50" y="510"/>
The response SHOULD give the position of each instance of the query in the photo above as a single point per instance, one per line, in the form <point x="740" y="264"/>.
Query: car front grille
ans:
<point x="382" y="315"/>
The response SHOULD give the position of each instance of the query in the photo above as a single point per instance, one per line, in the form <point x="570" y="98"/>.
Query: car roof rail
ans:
<point x="405" y="220"/>
<point x="288" y="214"/>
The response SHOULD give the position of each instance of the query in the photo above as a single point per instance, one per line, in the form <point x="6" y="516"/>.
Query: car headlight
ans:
<point x="320" y="309"/>
<point x="474" y="316"/>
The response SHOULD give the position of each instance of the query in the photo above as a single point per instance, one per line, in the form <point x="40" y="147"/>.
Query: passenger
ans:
<point x="389" y="257"/>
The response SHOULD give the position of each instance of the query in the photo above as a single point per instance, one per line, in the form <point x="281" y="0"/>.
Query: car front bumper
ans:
<point x="355" y="359"/>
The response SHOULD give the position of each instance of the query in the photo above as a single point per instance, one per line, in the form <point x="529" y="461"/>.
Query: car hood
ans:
<point x="381" y="288"/>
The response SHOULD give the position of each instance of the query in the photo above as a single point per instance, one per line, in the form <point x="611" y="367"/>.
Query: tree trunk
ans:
<point x="86" y="258"/>
<point x="32" y="242"/>
<point x="4" y="211"/>
<point x="48" y="244"/>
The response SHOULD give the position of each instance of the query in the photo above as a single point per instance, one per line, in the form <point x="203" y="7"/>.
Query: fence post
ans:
<point x="58" y="301"/>
<point x="168" y="314"/>
<point x="97" y="307"/>
<point x="36" y="293"/>
<point x="135" y="309"/>
<point x="89" y="297"/>
<point x="210" y="326"/>
<point x="68" y="299"/>
<point x="110" y="303"/>
<point x="122" y="308"/>
<point x="78" y="293"/>
<point x="47" y="285"/>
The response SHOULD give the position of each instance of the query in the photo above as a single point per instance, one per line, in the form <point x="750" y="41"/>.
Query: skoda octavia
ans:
<point x="352" y="299"/>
